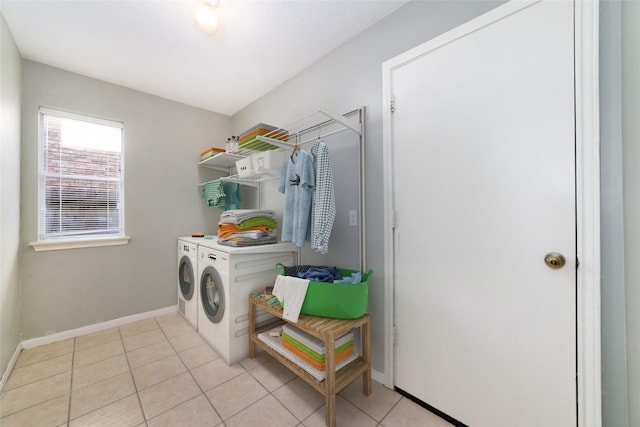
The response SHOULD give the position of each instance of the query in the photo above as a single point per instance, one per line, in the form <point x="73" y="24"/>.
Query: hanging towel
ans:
<point x="233" y="196"/>
<point x="213" y="193"/>
<point x="297" y="183"/>
<point x="291" y="291"/>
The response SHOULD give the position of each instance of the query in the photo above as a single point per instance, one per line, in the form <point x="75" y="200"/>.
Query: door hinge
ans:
<point x="392" y="105"/>
<point x="394" y="336"/>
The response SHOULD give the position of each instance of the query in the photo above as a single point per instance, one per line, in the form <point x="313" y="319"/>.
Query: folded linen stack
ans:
<point x="210" y="152"/>
<point x="311" y="349"/>
<point x="248" y="140"/>
<point x="247" y="227"/>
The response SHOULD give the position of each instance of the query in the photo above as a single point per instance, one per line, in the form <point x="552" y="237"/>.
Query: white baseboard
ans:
<point x="48" y="339"/>
<point x="12" y="363"/>
<point x="377" y="376"/>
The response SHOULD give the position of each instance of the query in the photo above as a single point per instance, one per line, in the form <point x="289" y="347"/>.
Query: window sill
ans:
<point x="54" y="245"/>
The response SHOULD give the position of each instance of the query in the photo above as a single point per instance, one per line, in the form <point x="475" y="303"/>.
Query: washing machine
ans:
<point x="188" y="290"/>
<point x="227" y="276"/>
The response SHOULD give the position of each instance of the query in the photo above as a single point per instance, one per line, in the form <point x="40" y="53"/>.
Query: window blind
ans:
<point x="81" y="176"/>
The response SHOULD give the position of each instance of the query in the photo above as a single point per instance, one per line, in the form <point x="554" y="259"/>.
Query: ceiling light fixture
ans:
<point x="206" y="16"/>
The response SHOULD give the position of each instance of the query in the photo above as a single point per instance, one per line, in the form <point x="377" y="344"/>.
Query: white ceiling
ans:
<point x="154" y="46"/>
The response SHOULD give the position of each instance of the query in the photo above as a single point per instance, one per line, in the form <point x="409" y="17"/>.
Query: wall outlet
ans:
<point x="353" y="218"/>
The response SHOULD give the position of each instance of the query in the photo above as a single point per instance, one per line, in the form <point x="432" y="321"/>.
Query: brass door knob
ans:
<point x="554" y="260"/>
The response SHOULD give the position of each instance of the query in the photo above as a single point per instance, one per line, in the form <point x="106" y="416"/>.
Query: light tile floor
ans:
<point x="159" y="372"/>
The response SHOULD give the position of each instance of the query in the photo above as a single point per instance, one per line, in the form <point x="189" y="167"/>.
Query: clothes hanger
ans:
<point x="296" y="148"/>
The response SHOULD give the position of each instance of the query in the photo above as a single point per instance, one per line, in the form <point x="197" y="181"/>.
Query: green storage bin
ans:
<point x="335" y="300"/>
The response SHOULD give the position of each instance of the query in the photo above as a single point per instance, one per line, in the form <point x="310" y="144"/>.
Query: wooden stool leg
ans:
<point x="330" y="400"/>
<point x="252" y="328"/>
<point x="366" y="356"/>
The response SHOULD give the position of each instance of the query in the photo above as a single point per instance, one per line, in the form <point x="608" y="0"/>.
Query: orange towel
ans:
<point x="318" y="365"/>
<point x="225" y="229"/>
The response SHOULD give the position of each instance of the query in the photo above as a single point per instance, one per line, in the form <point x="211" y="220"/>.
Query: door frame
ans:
<point x="586" y="36"/>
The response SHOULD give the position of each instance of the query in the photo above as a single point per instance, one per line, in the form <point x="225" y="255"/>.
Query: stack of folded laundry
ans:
<point x="311" y="349"/>
<point x="247" y="227"/>
<point x="210" y="152"/>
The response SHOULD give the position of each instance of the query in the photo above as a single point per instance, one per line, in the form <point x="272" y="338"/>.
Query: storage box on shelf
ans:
<point x="227" y="162"/>
<point x="335" y="377"/>
<point x="268" y="163"/>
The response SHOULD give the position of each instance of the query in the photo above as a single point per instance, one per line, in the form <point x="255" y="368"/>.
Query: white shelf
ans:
<point x="222" y="161"/>
<point x="276" y="344"/>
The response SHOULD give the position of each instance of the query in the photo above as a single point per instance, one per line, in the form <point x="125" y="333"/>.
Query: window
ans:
<point x="81" y="181"/>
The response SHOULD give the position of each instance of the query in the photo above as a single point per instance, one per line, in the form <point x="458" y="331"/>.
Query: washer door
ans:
<point x="212" y="294"/>
<point x="185" y="277"/>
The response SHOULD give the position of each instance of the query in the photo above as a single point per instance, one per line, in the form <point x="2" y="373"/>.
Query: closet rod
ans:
<point x="346" y="123"/>
<point x="332" y="117"/>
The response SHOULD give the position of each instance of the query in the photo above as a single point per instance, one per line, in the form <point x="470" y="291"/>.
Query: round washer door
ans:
<point x="185" y="277"/>
<point x="212" y="294"/>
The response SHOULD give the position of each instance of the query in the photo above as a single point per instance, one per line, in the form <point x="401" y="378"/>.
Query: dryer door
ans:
<point x="186" y="274"/>
<point x="212" y="294"/>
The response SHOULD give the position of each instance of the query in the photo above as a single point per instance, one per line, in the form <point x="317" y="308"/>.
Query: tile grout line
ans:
<point x="270" y="393"/>
<point x="90" y="385"/>
<point x="190" y="374"/>
<point x="4" y="391"/>
<point x="135" y="386"/>
<point x="74" y="346"/>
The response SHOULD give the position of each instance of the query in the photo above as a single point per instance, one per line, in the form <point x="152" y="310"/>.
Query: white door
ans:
<point x="483" y="185"/>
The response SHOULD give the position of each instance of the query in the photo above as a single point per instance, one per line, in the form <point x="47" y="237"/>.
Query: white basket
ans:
<point x="244" y="167"/>
<point x="271" y="159"/>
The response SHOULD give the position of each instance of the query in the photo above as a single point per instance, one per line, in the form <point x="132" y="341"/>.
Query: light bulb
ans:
<point x="207" y="17"/>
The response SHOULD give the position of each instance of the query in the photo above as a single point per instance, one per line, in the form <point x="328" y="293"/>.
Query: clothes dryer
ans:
<point x="188" y="291"/>
<point x="227" y="276"/>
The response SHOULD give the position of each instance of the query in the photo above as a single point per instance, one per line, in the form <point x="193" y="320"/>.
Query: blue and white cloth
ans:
<point x="323" y="205"/>
<point x="297" y="182"/>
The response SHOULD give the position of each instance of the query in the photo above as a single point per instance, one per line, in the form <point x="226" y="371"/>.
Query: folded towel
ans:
<point x="318" y="365"/>
<point x="312" y="342"/>
<point x="258" y="220"/>
<point x="236" y="216"/>
<point x="245" y="235"/>
<point x="227" y="230"/>
<point x="247" y="241"/>
<point x="319" y="357"/>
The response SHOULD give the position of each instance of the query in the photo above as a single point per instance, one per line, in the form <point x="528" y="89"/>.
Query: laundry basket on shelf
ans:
<point x="335" y="300"/>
